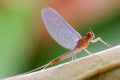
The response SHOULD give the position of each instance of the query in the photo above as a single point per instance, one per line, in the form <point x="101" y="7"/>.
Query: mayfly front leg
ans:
<point x="99" y="39"/>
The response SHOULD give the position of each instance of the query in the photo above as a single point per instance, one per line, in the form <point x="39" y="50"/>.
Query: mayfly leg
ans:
<point x="74" y="57"/>
<point x="99" y="39"/>
<point x="88" y="52"/>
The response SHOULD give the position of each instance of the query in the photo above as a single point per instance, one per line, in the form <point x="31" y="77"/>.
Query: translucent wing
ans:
<point x="59" y="29"/>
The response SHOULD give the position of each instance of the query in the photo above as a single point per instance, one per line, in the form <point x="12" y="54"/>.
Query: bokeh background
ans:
<point x="25" y="43"/>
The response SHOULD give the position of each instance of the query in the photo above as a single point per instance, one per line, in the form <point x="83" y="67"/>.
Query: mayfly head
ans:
<point x="90" y="34"/>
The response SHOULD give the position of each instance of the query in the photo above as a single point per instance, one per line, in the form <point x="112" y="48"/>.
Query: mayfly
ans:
<point x="65" y="35"/>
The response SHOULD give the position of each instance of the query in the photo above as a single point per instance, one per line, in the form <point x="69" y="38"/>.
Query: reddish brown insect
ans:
<point x="65" y="35"/>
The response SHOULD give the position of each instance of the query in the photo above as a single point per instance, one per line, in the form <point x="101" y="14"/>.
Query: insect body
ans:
<point x="65" y="35"/>
<point x="81" y="44"/>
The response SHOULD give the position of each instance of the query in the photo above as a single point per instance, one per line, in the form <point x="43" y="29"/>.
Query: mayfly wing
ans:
<point x="59" y="29"/>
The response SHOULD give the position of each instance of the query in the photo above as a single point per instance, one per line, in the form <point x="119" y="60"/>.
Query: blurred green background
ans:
<point x="25" y="44"/>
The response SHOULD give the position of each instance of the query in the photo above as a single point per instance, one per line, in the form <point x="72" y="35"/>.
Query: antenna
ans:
<point x="91" y="30"/>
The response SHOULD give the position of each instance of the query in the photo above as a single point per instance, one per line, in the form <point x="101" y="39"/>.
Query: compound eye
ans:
<point x="89" y="34"/>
